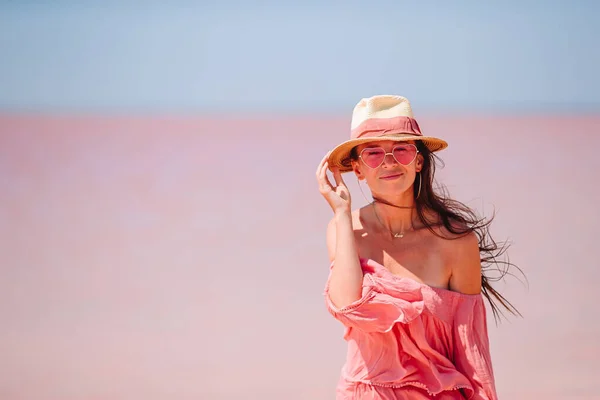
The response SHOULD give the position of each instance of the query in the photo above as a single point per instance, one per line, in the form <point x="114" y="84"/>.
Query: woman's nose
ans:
<point x="391" y="160"/>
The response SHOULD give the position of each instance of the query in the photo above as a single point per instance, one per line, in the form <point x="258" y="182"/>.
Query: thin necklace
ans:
<point x="394" y="235"/>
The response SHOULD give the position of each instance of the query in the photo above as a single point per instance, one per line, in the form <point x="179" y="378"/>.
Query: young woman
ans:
<point x="406" y="276"/>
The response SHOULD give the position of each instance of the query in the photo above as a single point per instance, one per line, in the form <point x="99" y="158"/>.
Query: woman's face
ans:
<point x="384" y="173"/>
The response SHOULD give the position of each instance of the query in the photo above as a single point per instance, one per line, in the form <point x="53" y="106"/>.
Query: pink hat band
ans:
<point x="379" y="126"/>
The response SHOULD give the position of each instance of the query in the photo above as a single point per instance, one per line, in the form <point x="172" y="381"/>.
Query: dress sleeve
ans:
<point x="378" y="309"/>
<point x="471" y="347"/>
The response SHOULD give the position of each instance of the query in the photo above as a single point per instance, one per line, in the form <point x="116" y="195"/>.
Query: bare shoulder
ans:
<point x="463" y="258"/>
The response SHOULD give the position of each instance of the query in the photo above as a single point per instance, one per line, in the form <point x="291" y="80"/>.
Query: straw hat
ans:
<point x="383" y="117"/>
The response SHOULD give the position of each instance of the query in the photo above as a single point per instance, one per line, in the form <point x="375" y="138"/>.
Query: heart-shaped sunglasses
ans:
<point x="404" y="154"/>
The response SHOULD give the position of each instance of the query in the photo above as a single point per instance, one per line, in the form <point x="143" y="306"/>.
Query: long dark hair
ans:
<point x="460" y="220"/>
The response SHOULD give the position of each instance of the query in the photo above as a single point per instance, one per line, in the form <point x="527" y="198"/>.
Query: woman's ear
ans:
<point x="419" y="163"/>
<point x="359" y="175"/>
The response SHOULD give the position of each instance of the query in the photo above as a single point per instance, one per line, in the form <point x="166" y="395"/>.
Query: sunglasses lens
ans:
<point x="373" y="157"/>
<point x="405" y="154"/>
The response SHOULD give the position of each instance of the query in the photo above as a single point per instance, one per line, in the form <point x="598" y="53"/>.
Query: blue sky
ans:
<point x="203" y="57"/>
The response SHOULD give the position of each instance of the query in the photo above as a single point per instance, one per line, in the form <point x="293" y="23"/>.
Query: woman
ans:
<point x="406" y="276"/>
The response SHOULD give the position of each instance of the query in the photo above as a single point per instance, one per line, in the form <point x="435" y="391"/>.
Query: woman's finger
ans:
<point x="323" y="179"/>
<point x="322" y="166"/>
<point x="323" y="161"/>
<point x="337" y="175"/>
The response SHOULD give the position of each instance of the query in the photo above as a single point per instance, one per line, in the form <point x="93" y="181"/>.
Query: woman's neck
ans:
<point x="395" y="214"/>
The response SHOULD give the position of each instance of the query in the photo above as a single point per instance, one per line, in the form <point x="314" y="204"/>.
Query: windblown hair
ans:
<point x="460" y="220"/>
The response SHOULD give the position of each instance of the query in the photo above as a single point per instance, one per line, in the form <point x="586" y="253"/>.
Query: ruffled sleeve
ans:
<point x="471" y="347"/>
<point x="380" y="305"/>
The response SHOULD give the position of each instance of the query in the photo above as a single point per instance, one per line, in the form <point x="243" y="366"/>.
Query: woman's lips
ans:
<point x="390" y="177"/>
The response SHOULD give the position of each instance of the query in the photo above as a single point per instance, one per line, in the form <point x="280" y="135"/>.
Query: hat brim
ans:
<point x="340" y="155"/>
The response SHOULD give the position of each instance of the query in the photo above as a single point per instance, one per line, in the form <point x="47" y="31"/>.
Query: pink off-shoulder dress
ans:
<point x="408" y="340"/>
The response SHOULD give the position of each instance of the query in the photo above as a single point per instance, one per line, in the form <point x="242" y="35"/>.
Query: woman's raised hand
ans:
<point x="338" y="197"/>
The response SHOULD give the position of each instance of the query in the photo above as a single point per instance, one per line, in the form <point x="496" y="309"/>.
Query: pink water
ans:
<point x="184" y="258"/>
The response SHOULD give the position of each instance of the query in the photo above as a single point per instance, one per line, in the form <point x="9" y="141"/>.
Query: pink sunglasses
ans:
<point x="404" y="154"/>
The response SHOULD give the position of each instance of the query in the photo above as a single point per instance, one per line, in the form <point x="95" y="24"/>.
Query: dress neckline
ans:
<point x="422" y="284"/>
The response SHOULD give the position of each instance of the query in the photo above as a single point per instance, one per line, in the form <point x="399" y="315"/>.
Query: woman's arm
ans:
<point x="345" y="282"/>
<point x="472" y="353"/>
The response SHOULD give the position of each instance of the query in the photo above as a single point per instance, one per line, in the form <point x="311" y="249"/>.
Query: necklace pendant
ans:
<point x="399" y="235"/>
